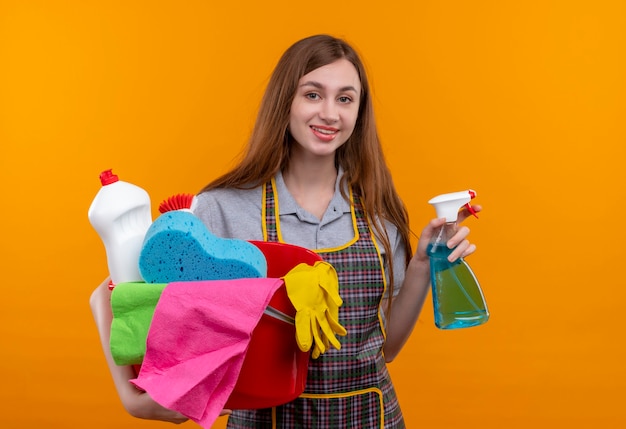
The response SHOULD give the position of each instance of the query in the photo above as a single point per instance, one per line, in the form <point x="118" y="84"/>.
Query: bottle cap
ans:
<point x="107" y="177"/>
<point x="448" y="205"/>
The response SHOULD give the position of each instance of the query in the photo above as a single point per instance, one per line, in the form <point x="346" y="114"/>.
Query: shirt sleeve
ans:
<point x="231" y="213"/>
<point x="398" y="249"/>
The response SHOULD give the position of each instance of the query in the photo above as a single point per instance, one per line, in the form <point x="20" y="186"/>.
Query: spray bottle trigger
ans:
<point x="471" y="210"/>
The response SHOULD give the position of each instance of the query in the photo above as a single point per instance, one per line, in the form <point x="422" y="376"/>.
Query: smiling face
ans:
<point x="325" y="108"/>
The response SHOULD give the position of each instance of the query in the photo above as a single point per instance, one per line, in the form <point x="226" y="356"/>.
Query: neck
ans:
<point x="311" y="183"/>
<point x="311" y="173"/>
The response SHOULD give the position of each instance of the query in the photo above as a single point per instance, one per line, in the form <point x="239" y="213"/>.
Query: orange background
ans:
<point x="523" y="101"/>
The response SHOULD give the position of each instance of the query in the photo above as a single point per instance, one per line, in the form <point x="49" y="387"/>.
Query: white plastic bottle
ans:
<point x="121" y="214"/>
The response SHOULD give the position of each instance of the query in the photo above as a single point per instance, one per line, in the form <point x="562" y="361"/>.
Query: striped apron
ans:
<point x="351" y="387"/>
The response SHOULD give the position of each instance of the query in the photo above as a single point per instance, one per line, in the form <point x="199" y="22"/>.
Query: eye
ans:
<point x="312" y="96"/>
<point x="345" y="99"/>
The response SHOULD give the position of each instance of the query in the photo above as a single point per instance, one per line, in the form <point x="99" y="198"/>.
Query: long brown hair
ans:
<point x="361" y="157"/>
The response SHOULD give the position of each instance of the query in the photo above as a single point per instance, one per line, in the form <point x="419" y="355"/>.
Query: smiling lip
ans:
<point x="324" y="133"/>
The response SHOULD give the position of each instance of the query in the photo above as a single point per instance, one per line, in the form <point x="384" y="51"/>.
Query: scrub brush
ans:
<point x="178" y="202"/>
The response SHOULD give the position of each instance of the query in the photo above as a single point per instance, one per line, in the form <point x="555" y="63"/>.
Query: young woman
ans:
<point x="314" y="175"/>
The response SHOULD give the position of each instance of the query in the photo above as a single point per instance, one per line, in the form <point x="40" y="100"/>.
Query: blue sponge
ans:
<point x="179" y="247"/>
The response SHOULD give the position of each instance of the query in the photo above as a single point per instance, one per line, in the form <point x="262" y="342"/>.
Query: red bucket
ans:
<point x="274" y="370"/>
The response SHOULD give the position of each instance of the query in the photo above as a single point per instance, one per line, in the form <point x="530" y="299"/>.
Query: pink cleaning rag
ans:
<point x="197" y="343"/>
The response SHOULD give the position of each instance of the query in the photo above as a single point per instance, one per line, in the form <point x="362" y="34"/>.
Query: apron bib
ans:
<point x="351" y="387"/>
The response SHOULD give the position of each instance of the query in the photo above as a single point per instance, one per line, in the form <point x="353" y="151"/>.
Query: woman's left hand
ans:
<point x="459" y="242"/>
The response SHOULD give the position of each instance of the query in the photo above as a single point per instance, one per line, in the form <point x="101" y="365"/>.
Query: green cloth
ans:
<point x="133" y="306"/>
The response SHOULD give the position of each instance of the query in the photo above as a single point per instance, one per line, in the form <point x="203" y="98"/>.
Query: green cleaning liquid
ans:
<point x="458" y="300"/>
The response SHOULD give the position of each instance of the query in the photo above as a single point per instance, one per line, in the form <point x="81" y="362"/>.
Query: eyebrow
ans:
<point x="320" y="86"/>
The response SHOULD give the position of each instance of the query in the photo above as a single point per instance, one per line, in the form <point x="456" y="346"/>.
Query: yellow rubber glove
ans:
<point x="320" y="348"/>
<point x="314" y="293"/>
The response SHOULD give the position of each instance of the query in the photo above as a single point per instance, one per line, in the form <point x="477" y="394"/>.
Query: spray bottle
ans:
<point x="120" y="213"/>
<point x="457" y="298"/>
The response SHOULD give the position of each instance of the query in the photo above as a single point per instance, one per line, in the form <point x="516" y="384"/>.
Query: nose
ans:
<point x="329" y="112"/>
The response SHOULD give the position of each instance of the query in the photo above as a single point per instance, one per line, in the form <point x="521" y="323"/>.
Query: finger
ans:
<point x="303" y="331"/>
<point x="462" y="250"/>
<point x="336" y="326"/>
<point x="331" y="292"/>
<point x="470" y="249"/>
<point x="315" y="327"/>
<point x="458" y="237"/>
<point x="329" y="334"/>
<point x="325" y="342"/>
<point x="433" y="225"/>
<point x="465" y="212"/>
<point x="426" y="236"/>
<point x="316" y="352"/>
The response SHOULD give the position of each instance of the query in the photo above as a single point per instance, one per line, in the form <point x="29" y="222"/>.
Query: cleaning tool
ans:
<point x="132" y="305"/>
<point x="120" y="214"/>
<point x="458" y="300"/>
<point x="179" y="247"/>
<point x="178" y="202"/>
<point x="275" y="369"/>
<point x="214" y="343"/>
<point x="314" y="292"/>
<point x="197" y="343"/>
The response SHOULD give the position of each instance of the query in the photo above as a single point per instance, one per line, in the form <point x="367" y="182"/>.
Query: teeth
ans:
<point x="319" y="130"/>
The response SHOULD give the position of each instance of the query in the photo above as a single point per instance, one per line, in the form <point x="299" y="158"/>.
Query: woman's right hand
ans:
<point x="141" y="405"/>
<point x="137" y="403"/>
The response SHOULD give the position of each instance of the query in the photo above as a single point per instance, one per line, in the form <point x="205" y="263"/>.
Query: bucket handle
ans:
<point x="277" y="314"/>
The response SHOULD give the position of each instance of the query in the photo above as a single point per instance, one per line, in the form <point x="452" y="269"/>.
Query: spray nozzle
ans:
<point x="448" y="205"/>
